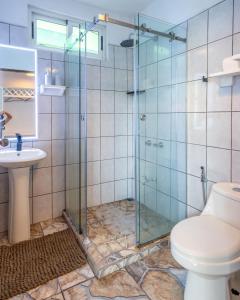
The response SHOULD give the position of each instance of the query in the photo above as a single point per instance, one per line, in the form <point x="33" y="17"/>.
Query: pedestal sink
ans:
<point x="18" y="164"/>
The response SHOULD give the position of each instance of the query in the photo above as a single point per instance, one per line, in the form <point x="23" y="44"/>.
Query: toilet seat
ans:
<point x="206" y="244"/>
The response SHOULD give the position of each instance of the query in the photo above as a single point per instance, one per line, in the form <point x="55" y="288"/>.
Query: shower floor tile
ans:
<point x="111" y="241"/>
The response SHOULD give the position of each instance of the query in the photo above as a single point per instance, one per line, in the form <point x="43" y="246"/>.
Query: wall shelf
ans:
<point x="18" y="94"/>
<point x="231" y="68"/>
<point x="52" y="90"/>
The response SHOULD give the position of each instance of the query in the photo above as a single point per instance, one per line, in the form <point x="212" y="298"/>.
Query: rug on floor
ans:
<point x="28" y="264"/>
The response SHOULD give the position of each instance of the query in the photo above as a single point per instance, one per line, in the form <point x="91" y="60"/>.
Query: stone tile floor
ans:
<point x="155" y="277"/>
<point x="111" y="241"/>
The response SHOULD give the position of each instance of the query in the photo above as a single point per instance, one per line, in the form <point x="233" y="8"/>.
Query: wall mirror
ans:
<point x="18" y="90"/>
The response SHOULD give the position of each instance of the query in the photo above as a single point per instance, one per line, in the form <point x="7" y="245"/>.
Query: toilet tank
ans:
<point x="224" y="203"/>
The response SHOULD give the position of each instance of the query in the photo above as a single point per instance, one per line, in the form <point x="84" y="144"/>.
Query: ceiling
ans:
<point x="128" y="7"/>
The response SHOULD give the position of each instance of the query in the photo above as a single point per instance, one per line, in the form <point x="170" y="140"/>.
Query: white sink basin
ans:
<point x="18" y="164"/>
<point x="13" y="159"/>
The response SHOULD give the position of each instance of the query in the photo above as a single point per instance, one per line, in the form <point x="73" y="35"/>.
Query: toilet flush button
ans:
<point x="236" y="189"/>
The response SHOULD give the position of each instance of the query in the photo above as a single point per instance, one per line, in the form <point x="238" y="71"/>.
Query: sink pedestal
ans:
<point x="19" y="212"/>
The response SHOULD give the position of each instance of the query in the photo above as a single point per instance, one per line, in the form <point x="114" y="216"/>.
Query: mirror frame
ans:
<point x="34" y="137"/>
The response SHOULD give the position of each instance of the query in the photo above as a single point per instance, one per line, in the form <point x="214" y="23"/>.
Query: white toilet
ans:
<point x="208" y="246"/>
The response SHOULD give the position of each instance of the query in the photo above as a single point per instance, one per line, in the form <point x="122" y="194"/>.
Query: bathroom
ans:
<point x="119" y="149"/>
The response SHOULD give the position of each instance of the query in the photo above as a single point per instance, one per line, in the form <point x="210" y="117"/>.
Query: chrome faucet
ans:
<point x="3" y="119"/>
<point x="19" y="142"/>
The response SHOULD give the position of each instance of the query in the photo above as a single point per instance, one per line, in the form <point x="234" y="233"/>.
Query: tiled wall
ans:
<point x="213" y="112"/>
<point x="47" y="182"/>
<point x="109" y="127"/>
<point x="203" y="119"/>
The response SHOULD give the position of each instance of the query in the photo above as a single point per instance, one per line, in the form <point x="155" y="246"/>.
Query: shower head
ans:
<point x="127" y="43"/>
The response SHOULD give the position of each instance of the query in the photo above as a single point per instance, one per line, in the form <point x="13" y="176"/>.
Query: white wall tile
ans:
<point x="236" y="166"/>
<point x="42" y="208"/>
<point x="93" y="101"/>
<point x="58" y="152"/>
<point x="218" y="164"/>
<point x="58" y="126"/>
<point x="236" y="43"/>
<point x="219" y="130"/>
<point x="219" y="99"/>
<point x="58" y="178"/>
<point x="236" y="130"/>
<point x="179" y="68"/>
<point x="120" y="80"/>
<point x="58" y="203"/>
<point x="109" y="60"/>
<point x="45" y="146"/>
<point x="107" y="124"/>
<point x="236" y="94"/>
<point x="217" y="51"/>
<point x="121" y="146"/>
<point x="107" y="79"/>
<point x="197" y="30"/>
<point x="107" y="102"/>
<point x="197" y="128"/>
<point x="164" y="72"/>
<point x="220" y="20"/>
<point x="196" y="96"/>
<point x="236" y="16"/>
<point x="107" y="148"/>
<point x="107" y="170"/>
<point x="93" y="195"/>
<point x="44" y="104"/>
<point x="197" y="63"/>
<point x="195" y="192"/>
<point x="196" y="157"/>
<point x="42" y="181"/>
<point x="107" y="192"/>
<point x="93" y="77"/>
<point x="164" y="99"/>
<point x="93" y="149"/>
<point x="179" y="97"/>
<point x="19" y="36"/>
<point x="4" y="33"/>
<point x="93" y="173"/>
<point x="93" y="125"/>
<point x="121" y="124"/>
<point x="121" y="189"/>
<point x="121" y="105"/>
<point x="120" y="58"/>
<point x="120" y="168"/>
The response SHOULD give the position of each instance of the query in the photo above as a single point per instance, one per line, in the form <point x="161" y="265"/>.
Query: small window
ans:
<point x="52" y="33"/>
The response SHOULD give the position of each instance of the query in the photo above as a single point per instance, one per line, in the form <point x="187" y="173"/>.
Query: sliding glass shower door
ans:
<point x="160" y="131"/>
<point x="76" y="140"/>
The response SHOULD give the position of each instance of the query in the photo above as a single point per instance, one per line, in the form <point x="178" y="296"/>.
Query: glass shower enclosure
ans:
<point x="160" y="72"/>
<point x="160" y="129"/>
<point x="76" y="137"/>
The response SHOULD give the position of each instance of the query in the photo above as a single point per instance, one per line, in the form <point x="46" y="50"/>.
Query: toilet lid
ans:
<point x="206" y="238"/>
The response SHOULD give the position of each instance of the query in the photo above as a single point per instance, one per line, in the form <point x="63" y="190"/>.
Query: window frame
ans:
<point x="36" y="14"/>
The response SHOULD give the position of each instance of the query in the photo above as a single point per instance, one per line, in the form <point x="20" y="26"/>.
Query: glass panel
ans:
<point x="76" y="143"/>
<point x="51" y="34"/>
<point x="91" y="42"/>
<point x="161" y="131"/>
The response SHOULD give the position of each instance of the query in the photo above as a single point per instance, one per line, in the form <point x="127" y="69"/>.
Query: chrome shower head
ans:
<point x="127" y="43"/>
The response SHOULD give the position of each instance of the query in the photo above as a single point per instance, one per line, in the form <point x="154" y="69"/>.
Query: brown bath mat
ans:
<point x="29" y="264"/>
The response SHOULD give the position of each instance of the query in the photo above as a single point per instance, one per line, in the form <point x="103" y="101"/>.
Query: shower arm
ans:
<point x="105" y="18"/>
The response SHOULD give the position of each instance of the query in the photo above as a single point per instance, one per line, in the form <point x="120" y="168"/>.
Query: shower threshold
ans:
<point x="111" y="241"/>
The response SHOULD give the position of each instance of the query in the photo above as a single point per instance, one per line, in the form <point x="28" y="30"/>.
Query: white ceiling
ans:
<point x="128" y="7"/>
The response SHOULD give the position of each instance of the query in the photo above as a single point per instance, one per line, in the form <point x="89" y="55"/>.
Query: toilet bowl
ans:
<point x="208" y="246"/>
